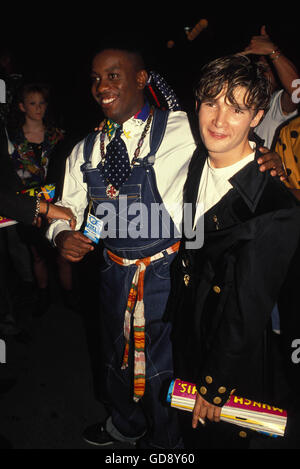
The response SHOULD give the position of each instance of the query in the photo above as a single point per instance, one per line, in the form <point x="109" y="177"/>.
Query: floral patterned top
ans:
<point x="31" y="160"/>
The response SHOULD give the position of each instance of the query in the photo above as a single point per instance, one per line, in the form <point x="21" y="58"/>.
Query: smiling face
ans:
<point x="34" y="106"/>
<point x="224" y="127"/>
<point x="118" y="84"/>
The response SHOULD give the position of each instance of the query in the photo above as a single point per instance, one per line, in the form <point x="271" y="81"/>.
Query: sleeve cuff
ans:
<point x="55" y="228"/>
<point x="213" y="391"/>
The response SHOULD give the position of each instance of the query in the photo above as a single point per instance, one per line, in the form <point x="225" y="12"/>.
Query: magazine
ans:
<point x="46" y="192"/>
<point x="241" y="411"/>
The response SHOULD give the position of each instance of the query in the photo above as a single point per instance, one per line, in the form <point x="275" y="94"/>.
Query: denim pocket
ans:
<point x="161" y="268"/>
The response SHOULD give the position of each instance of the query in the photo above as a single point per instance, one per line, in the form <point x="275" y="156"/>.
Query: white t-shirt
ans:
<point x="273" y="119"/>
<point x="214" y="183"/>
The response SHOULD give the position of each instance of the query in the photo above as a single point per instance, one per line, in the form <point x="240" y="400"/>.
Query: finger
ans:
<point x="203" y="411"/>
<point x="264" y="150"/>
<point x="210" y="413"/>
<point x="247" y="51"/>
<point x="77" y="250"/>
<point x="81" y="238"/>
<point x="74" y="256"/>
<point x="195" y="417"/>
<point x="71" y="258"/>
<point x="72" y="223"/>
<point x="263" y="31"/>
<point x="270" y="160"/>
<point x="195" y="420"/>
<point x="217" y="414"/>
<point x="196" y="412"/>
<point x="270" y="164"/>
<point x="38" y="222"/>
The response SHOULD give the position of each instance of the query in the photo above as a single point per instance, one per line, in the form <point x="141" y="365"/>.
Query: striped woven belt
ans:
<point x="135" y="307"/>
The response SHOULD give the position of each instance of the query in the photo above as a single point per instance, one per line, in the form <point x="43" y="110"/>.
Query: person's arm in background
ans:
<point x="27" y="209"/>
<point x="287" y="72"/>
<point x="73" y="245"/>
<point x="55" y="212"/>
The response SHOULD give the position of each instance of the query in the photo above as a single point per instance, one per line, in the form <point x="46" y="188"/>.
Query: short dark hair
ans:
<point x="234" y="71"/>
<point x="127" y="48"/>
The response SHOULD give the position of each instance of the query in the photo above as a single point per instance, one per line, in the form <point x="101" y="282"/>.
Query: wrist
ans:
<point x="44" y="207"/>
<point x="37" y="210"/>
<point x="275" y="54"/>
<point x="61" y="236"/>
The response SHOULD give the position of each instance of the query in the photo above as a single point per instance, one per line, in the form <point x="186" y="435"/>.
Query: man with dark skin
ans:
<point x="119" y="80"/>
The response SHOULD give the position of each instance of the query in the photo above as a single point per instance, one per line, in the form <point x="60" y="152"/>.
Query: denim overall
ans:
<point x="150" y="417"/>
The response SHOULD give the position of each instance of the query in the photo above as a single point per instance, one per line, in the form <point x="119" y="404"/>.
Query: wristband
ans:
<point x="37" y="209"/>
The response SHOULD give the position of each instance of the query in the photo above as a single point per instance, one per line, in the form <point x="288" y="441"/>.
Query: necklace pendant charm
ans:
<point x="112" y="192"/>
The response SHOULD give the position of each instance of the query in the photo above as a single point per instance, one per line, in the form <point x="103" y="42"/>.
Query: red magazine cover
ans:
<point x="248" y="405"/>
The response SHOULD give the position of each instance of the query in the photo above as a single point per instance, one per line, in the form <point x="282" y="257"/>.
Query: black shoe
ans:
<point x="97" y="435"/>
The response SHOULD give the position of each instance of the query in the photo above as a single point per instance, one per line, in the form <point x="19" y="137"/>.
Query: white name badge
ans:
<point x="93" y="228"/>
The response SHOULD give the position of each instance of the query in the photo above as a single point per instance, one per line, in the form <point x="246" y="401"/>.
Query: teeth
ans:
<point x="107" y="100"/>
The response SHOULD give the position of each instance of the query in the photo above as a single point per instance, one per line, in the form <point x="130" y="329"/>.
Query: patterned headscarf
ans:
<point x="162" y="94"/>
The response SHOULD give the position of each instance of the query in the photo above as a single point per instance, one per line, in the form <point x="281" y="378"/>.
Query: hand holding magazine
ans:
<point x="240" y="411"/>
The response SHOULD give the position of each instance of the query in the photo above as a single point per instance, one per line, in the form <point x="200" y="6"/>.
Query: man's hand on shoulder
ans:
<point x="271" y="161"/>
<point x="73" y="245"/>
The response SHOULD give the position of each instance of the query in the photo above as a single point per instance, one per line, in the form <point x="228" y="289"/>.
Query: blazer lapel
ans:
<point x="191" y="187"/>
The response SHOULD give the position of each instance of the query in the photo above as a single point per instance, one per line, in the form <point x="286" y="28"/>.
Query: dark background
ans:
<point x="55" y="42"/>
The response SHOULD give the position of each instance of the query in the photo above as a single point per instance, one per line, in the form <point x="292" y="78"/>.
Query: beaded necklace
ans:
<point x="111" y="191"/>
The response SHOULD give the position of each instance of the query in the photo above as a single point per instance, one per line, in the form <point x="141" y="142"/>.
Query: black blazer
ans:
<point x="20" y="208"/>
<point x="17" y="207"/>
<point x="222" y="295"/>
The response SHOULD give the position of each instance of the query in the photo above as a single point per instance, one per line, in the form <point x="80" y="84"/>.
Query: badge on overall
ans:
<point x="93" y="228"/>
<point x="112" y="192"/>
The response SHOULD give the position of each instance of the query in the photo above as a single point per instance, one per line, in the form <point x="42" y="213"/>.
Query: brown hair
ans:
<point x="231" y="72"/>
<point x="34" y="88"/>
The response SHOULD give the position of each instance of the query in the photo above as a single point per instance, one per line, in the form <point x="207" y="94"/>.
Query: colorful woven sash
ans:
<point x="135" y="307"/>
